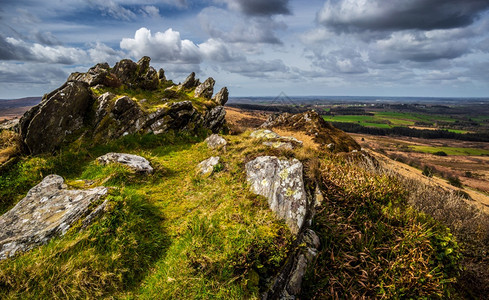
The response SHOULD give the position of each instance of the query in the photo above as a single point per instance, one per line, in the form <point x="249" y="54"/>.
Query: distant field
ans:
<point x="450" y="150"/>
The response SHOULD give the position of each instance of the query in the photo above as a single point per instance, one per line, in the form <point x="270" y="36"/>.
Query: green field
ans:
<point x="451" y="150"/>
<point x="387" y="119"/>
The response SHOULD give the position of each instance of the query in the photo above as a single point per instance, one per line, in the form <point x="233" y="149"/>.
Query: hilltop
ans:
<point x="123" y="184"/>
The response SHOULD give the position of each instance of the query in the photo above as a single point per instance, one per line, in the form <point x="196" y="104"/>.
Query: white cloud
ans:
<point x="162" y="47"/>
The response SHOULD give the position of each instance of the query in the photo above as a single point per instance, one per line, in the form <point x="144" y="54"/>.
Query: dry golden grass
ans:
<point x="9" y="145"/>
<point x="307" y="141"/>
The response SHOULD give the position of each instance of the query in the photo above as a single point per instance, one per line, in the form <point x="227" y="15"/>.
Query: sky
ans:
<point x="425" y="48"/>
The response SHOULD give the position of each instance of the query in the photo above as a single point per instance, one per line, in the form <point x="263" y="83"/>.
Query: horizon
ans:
<point x="341" y="47"/>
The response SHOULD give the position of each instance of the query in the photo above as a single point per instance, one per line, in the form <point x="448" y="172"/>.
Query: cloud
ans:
<point x="151" y="11"/>
<point x="379" y="15"/>
<point x="46" y="38"/>
<point x="162" y="47"/>
<point x="417" y="47"/>
<point x="259" y="7"/>
<point x="221" y="24"/>
<point x="113" y="9"/>
<point x="99" y="52"/>
<point x="30" y="73"/>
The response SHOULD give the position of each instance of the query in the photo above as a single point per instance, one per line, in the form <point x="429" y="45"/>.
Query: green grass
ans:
<point x="451" y="150"/>
<point x="387" y="119"/>
<point x="171" y="234"/>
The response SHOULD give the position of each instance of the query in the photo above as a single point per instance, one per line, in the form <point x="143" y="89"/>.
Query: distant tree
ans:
<point x="455" y="181"/>
<point x="428" y="171"/>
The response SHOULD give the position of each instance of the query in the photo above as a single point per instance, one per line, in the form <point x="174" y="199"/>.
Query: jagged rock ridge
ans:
<point x="75" y="109"/>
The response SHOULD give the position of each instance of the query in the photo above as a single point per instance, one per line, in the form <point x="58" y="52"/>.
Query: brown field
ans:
<point x="475" y="182"/>
<point x="13" y="113"/>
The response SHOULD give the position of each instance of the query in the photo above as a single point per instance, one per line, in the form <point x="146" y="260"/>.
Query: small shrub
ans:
<point x="428" y="171"/>
<point x="440" y="153"/>
<point x="455" y="181"/>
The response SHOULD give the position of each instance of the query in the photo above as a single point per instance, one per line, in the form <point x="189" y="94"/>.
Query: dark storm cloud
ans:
<point x="380" y="15"/>
<point x="47" y="38"/>
<point x="9" y="51"/>
<point x="263" y="8"/>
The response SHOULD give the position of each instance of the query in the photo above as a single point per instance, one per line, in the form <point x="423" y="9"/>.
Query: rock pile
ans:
<point x="73" y="110"/>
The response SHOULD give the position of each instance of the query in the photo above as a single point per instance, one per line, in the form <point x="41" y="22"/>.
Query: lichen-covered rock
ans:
<point x="205" y="89"/>
<point x="59" y="115"/>
<point x="206" y="167"/>
<point x="48" y="210"/>
<point x="190" y="82"/>
<point x="135" y="162"/>
<point x="312" y="124"/>
<point x="221" y="97"/>
<point x="215" y="141"/>
<point x="179" y="115"/>
<point x="137" y="75"/>
<point x="215" y="119"/>
<point x="275" y="140"/>
<point x="96" y="75"/>
<point x="281" y="182"/>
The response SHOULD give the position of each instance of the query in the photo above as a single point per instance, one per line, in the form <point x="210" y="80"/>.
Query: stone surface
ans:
<point x="275" y="140"/>
<point x="215" y="119"/>
<point x="205" y="89"/>
<point x="206" y="167"/>
<point x="190" y="82"/>
<point x="311" y="123"/>
<point x="48" y="210"/>
<point x="96" y="75"/>
<point x="221" y="98"/>
<point x="45" y="126"/>
<point x="215" y="141"/>
<point x="135" y="162"/>
<point x="281" y="182"/>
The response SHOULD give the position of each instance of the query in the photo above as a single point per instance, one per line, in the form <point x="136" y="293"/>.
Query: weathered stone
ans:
<point x="95" y="75"/>
<point x="206" y="167"/>
<point x="179" y="115"/>
<point x="58" y="116"/>
<point x="205" y="89"/>
<point x="215" y="141"/>
<point x="10" y="124"/>
<point x="221" y="98"/>
<point x="161" y="75"/>
<point x="281" y="182"/>
<point x="135" y="162"/>
<point x="215" y="119"/>
<point x="48" y="210"/>
<point x="275" y="140"/>
<point x="312" y="124"/>
<point x="190" y="82"/>
<point x="304" y="260"/>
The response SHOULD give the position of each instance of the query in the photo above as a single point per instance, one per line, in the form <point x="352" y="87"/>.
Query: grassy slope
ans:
<point x="174" y="234"/>
<point x="450" y="150"/>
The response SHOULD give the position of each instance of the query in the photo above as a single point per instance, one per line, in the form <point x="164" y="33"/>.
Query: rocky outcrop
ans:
<point x="135" y="162"/>
<point x="48" y="210"/>
<point x="59" y="115"/>
<point x="222" y="96"/>
<point x="215" y="141"/>
<point x="205" y="89"/>
<point x="73" y="110"/>
<point x="281" y="182"/>
<point x="275" y="140"/>
<point x="190" y="82"/>
<point x="311" y="123"/>
<point x="206" y="167"/>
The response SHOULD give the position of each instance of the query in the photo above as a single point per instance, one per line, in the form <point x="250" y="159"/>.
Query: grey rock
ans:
<point x="215" y="141"/>
<point x="135" y="162"/>
<point x="221" y="98"/>
<point x="161" y="75"/>
<point x="60" y="114"/>
<point x="275" y="140"/>
<point x="137" y="75"/>
<point x="96" y="75"/>
<point x="48" y="210"/>
<point x="206" y="167"/>
<point x="215" y="119"/>
<point x="10" y="124"/>
<point x="281" y="182"/>
<point x="205" y="89"/>
<point x="178" y="116"/>
<point x="95" y="214"/>
<point x="190" y="82"/>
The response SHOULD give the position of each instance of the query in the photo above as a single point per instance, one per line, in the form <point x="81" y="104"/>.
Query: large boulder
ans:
<point x="281" y="182"/>
<point x="137" y="75"/>
<point x="311" y="123"/>
<point x="190" y="82"/>
<point x="135" y="162"/>
<point x="215" y="119"/>
<point x="59" y="115"/>
<point x="274" y="140"/>
<point x="222" y="96"/>
<point x="47" y="211"/>
<point x="99" y="74"/>
<point x="205" y="89"/>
